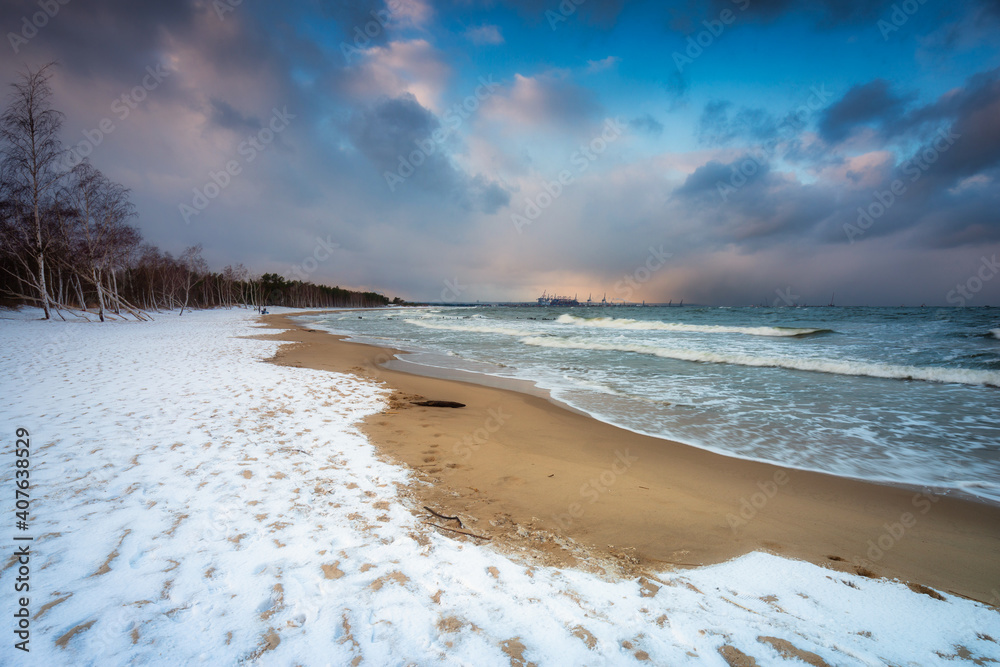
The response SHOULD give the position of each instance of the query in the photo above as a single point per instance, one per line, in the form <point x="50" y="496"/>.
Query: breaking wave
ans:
<point x="475" y="328"/>
<point x="643" y="325"/>
<point x="817" y="365"/>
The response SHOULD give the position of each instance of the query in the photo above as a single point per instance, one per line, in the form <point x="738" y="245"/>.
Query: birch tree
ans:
<point x="30" y="172"/>
<point x="102" y="209"/>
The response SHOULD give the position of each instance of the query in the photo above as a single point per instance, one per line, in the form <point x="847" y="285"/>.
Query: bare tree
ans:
<point x="194" y="268"/>
<point x="102" y="208"/>
<point x="30" y="171"/>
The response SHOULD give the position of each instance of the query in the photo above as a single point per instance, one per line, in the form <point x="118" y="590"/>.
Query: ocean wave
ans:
<point x="654" y="325"/>
<point x="472" y="328"/>
<point x="816" y="365"/>
<point x="995" y="333"/>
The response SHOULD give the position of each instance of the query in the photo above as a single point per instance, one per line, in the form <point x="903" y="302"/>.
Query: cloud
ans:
<point x="546" y="99"/>
<point x="412" y="66"/>
<point x="704" y="178"/>
<point x="971" y="112"/>
<point x="355" y="119"/>
<point x="717" y="126"/>
<point x="392" y="131"/>
<point x="600" y="13"/>
<point x="224" y="115"/>
<point x="646" y="124"/>
<point x="372" y="21"/>
<point x="484" y="34"/>
<point x="595" y="66"/>
<point x="872" y="104"/>
<point x="824" y="13"/>
<point x="676" y="86"/>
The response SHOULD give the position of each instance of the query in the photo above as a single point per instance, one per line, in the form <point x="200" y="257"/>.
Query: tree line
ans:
<point x="68" y="245"/>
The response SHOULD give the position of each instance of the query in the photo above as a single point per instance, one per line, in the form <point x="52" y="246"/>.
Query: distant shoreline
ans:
<point x="516" y="459"/>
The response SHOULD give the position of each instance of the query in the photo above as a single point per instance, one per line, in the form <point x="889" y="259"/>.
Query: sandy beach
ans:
<point x="193" y="503"/>
<point x="534" y="476"/>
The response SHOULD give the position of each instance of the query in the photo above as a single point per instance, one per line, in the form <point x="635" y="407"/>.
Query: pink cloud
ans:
<point x="413" y="67"/>
<point x="546" y="99"/>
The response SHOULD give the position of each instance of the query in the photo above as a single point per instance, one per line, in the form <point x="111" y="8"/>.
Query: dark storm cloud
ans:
<point x="389" y="130"/>
<point x="704" y="178"/>
<point x="972" y="113"/>
<point x="744" y="201"/>
<point x="950" y="178"/>
<point x="408" y="145"/>
<point x="941" y="193"/>
<point x="103" y="37"/>
<point x="826" y="13"/>
<point x="646" y="124"/>
<point x="871" y="104"/>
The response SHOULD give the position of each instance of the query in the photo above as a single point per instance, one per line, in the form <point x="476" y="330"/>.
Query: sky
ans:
<point x="729" y="152"/>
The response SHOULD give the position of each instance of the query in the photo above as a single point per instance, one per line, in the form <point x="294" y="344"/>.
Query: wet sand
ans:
<point x="560" y="487"/>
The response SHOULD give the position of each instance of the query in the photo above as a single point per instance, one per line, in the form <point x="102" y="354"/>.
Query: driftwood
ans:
<point x="456" y="530"/>
<point x="446" y="518"/>
<point x="439" y="404"/>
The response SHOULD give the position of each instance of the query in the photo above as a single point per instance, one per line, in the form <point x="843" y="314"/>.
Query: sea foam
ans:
<point x="473" y="328"/>
<point x="652" y="325"/>
<point x="818" y="365"/>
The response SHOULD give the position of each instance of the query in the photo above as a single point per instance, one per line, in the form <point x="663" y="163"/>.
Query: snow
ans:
<point x="193" y="504"/>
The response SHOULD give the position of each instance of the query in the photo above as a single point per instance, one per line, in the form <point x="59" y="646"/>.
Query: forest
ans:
<point x="70" y="246"/>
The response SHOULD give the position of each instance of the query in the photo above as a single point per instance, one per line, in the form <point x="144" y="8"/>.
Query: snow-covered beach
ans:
<point x="191" y="503"/>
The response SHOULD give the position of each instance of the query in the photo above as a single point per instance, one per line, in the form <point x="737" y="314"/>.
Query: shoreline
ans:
<point x="542" y="479"/>
<point x="528" y="387"/>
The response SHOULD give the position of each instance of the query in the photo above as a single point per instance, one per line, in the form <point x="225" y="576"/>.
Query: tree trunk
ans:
<point x="79" y="294"/>
<point x="42" y="288"/>
<point x="114" y="291"/>
<point x="100" y="294"/>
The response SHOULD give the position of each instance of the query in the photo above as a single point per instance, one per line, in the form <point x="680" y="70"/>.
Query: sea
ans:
<point x="895" y="395"/>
